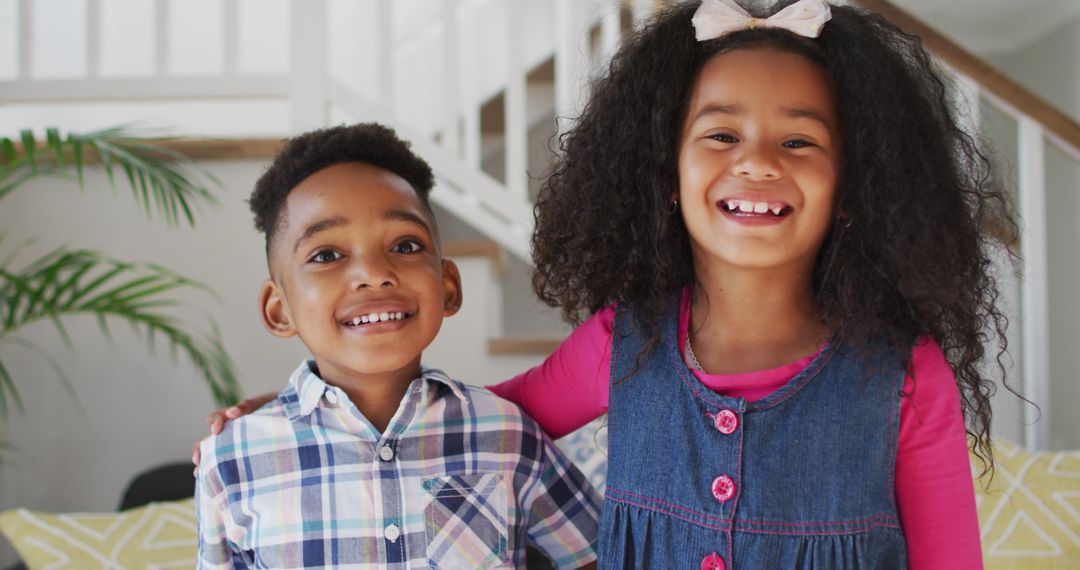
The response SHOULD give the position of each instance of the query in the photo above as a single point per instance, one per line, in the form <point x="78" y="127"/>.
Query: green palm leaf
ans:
<point x="65" y="283"/>
<point x="161" y="180"/>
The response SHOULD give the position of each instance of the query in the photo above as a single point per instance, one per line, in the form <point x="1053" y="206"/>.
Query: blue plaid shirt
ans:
<point x="459" y="479"/>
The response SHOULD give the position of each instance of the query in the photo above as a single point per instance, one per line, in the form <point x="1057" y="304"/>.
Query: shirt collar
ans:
<point x="306" y="390"/>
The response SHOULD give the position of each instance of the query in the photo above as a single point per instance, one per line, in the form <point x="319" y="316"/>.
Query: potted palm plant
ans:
<point x="66" y="282"/>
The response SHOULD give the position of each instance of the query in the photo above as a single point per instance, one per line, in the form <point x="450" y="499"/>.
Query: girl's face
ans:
<point x="758" y="161"/>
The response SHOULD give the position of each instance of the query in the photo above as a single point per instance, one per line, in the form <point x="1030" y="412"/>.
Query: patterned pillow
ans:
<point x="1030" y="513"/>
<point x="159" y="535"/>
<point x="587" y="448"/>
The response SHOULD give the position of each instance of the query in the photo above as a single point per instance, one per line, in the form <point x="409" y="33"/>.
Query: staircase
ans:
<point x="477" y="86"/>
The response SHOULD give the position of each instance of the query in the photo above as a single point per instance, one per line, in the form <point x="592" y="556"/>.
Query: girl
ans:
<point x="778" y="230"/>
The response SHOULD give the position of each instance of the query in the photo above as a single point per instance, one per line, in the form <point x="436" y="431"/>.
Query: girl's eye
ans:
<point x="408" y="246"/>
<point x="325" y="256"/>
<point x="724" y="138"/>
<point x="797" y="143"/>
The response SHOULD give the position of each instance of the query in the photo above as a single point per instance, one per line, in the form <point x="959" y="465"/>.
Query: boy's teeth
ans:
<point x="760" y="207"/>
<point x="356" y="321"/>
<point x="777" y="209"/>
<point x="733" y="205"/>
<point x="746" y="206"/>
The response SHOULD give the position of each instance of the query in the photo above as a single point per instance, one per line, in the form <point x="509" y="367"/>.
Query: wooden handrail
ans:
<point x="986" y="75"/>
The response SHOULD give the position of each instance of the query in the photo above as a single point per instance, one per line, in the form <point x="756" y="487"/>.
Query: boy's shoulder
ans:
<point x="271" y="422"/>
<point x="487" y="405"/>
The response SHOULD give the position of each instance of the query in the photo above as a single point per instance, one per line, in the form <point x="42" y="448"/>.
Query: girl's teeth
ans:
<point x="373" y="318"/>
<point x="733" y="205"/>
<point x="760" y="207"/>
<point x="777" y="209"/>
<point x="399" y="315"/>
<point x="384" y="316"/>
<point x="746" y="206"/>
<point x="356" y="321"/>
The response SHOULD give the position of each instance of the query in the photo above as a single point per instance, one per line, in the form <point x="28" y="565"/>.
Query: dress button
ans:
<point x="392" y="532"/>
<point x="713" y="562"/>
<point x="386" y="453"/>
<point x="726" y="422"/>
<point x="723" y="488"/>
<point x="331" y="397"/>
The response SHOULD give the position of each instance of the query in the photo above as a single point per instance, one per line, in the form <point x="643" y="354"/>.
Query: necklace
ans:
<point x="691" y="360"/>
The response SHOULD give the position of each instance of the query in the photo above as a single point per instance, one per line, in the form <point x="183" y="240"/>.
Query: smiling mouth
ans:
<point x="755" y="208"/>
<point x="374" y="318"/>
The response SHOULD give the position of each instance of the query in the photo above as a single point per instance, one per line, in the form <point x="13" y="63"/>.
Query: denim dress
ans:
<point x="800" y="479"/>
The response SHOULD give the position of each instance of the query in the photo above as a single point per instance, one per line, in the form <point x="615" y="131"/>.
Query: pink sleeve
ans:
<point x="934" y="489"/>
<point x="570" y="388"/>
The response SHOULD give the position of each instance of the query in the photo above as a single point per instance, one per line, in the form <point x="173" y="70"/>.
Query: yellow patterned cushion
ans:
<point x="159" y="535"/>
<point x="1030" y="514"/>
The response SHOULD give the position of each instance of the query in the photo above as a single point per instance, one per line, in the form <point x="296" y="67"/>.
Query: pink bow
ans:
<point x="715" y="18"/>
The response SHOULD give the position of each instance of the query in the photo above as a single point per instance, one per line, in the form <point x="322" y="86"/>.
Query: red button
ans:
<point x="723" y="488"/>
<point x="713" y="562"/>
<point x="726" y="422"/>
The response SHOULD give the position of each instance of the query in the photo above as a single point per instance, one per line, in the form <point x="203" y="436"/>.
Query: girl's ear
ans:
<point x="452" y="288"/>
<point x="274" y="310"/>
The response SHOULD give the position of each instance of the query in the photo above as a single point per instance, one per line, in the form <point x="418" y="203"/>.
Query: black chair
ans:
<point x="169" y="482"/>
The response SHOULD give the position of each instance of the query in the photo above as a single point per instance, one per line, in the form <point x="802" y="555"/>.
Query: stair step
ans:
<point x="524" y="345"/>
<point x="478" y="248"/>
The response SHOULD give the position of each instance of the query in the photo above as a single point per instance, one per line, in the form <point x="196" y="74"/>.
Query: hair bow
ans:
<point x="715" y="18"/>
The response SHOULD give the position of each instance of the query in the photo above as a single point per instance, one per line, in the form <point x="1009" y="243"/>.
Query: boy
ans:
<point x="366" y="459"/>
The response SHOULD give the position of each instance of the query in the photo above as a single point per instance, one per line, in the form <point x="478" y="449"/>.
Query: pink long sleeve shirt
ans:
<point x="934" y="487"/>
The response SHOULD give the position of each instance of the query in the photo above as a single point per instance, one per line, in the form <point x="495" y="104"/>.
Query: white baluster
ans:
<point x="1034" y="303"/>
<point x="25" y="9"/>
<point x="231" y="30"/>
<point x="161" y="38"/>
<point x="610" y="30"/>
<point x="643" y="10"/>
<point x="451" y="121"/>
<point x="307" y="89"/>
<point x="516" y="121"/>
<point x="384" y="55"/>
<point x="571" y="43"/>
<point x="93" y="39"/>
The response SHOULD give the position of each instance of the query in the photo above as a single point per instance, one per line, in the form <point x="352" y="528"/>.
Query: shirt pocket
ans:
<point x="465" y="521"/>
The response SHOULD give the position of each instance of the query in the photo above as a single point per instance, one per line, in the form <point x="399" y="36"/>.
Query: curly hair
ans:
<point x="916" y="189"/>
<point x="310" y="152"/>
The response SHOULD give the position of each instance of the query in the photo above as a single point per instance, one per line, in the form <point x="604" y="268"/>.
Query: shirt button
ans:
<point x="386" y="453"/>
<point x="726" y="422"/>
<point x="723" y="488"/>
<point x="392" y="532"/>
<point x="331" y="397"/>
<point x="713" y="562"/>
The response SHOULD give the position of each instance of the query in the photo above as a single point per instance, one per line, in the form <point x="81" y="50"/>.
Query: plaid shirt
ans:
<point x="459" y="479"/>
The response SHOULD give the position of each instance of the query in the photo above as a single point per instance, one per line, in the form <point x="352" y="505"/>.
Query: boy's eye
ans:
<point x="325" y="256"/>
<point x="724" y="138"/>
<point x="408" y="246"/>
<point x="797" y="143"/>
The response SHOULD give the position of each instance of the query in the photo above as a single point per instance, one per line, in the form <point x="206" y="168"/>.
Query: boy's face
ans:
<point x="357" y="244"/>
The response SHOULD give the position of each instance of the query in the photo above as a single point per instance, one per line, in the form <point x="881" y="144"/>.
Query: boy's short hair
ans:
<point x="308" y="153"/>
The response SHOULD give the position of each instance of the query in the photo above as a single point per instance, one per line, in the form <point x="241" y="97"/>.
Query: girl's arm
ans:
<point x="570" y="388"/>
<point x="934" y="489"/>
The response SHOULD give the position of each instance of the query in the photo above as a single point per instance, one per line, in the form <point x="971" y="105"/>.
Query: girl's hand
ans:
<point x="216" y="420"/>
